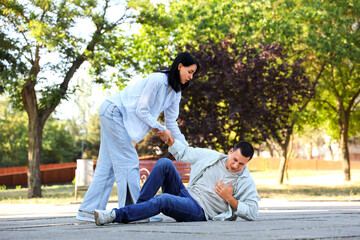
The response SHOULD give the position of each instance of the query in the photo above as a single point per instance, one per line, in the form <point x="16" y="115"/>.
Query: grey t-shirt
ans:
<point x="203" y="190"/>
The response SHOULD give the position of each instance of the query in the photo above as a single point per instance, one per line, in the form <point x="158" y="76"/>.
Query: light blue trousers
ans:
<point x="118" y="161"/>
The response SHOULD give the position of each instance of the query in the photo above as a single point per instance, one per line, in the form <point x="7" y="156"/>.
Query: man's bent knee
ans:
<point x="163" y="162"/>
<point x="164" y="200"/>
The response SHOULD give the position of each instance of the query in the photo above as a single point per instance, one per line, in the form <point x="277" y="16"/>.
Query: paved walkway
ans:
<point x="278" y="219"/>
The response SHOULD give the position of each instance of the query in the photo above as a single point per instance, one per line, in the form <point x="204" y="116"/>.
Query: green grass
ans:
<point x="302" y="185"/>
<point x="308" y="185"/>
<point x="55" y="194"/>
<point x="306" y="192"/>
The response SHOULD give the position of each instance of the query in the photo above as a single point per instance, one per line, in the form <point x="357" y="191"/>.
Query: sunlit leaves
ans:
<point x="48" y="30"/>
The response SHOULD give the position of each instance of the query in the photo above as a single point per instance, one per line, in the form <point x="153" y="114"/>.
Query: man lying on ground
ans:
<point x="220" y="188"/>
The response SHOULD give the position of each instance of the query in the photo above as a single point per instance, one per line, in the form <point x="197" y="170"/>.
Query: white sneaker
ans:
<point x="156" y="219"/>
<point x="85" y="216"/>
<point x="104" y="216"/>
<point x="147" y="220"/>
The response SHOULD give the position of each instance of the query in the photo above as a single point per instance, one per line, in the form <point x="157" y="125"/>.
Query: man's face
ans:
<point x="236" y="161"/>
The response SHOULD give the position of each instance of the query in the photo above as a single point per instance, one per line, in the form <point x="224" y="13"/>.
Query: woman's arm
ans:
<point x="171" y="116"/>
<point x="147" y="99"/>
<point x="166" y="137"/>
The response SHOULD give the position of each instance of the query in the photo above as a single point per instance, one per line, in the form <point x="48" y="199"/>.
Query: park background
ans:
<point x="283" y="75"/>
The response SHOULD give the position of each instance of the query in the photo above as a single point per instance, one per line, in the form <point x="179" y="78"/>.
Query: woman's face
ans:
<point x="186" y="73"/>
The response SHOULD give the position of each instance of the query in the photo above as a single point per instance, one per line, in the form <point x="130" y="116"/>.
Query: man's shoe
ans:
<point x="85" y="216"/>
<point x="156" y="219"/>
<point x="104" y="216"/>
<point x="147" y="220"/>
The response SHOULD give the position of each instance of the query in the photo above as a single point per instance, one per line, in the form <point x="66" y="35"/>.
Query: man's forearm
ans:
<point x="233" y="202"/>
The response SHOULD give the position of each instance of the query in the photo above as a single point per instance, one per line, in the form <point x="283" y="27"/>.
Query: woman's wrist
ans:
<point x="171" y="141"/>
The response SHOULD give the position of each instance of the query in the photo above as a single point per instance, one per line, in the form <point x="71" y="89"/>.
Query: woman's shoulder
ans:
<point x="158" y="77"/>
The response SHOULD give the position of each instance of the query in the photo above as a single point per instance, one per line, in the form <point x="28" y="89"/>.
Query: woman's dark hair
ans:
<point x="246" y="149"/>
<point x="186" y="60"/>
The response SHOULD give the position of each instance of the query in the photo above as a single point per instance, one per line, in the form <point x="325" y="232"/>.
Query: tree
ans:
<point x="195" y="23"/>
<point x="168" y="28"/>
<point x="331" y="40"/>
<point x="325" y="34"/>
<point x="286" y="137"/>
<point x="322" y="33"/>
<point x="41" y="50"/>
<point x="242" y="92"/>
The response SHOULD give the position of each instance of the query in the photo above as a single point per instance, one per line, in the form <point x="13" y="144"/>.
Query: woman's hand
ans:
<point x="165" y="136"/>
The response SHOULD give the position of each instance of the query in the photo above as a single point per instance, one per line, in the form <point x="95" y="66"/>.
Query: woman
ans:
<point x="128" y="116"/>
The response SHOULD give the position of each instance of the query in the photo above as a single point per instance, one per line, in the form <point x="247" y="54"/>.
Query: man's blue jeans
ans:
<point x="175" y="201"/>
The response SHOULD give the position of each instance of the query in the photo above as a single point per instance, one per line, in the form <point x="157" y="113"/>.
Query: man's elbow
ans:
<point x="252" y="217"/>
<point x="250" y="214"/>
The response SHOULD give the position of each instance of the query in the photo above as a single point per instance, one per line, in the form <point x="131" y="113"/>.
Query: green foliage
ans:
<point x="318" y="32"/>
<point x="13" y="135"/>
<point x="241" y="95"/>
<point x="92" y="138"/>
<point x="48" y="49"/>
<point x="167" y="29"/>
<point x="322" y="33"/>
<point x="86" y="120"/>
<point x="48" y="28"/>
<point x="191" y="25"/>
<point x="332" y="29"/>
<point x="331" y="37"/>
<point x="58" y="145"/>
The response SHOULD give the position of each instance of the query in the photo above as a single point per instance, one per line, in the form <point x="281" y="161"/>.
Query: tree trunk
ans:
<point x="34" y="156"/>
<point x="283" y="164"/>
<point x="284" y="161"/>
<point x="288" y="156"/>
<point x="345" y="156"/>
<point x="268" y="145"/>
<point x="37" y="119"/>
<point x="285" y="156"/>
<point x="331" y="151"/>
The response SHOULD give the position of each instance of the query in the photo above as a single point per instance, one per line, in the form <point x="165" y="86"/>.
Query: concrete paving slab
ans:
<point x="278" y="219"/>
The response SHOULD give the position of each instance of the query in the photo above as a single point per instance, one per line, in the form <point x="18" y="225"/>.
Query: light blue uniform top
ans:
<point x="142" y="103"/>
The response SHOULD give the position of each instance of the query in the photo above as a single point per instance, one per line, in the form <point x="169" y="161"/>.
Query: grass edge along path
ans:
<point x="302" y="185"/>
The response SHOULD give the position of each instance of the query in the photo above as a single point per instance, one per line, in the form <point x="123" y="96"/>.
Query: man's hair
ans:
<point x="246" y="149"/>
